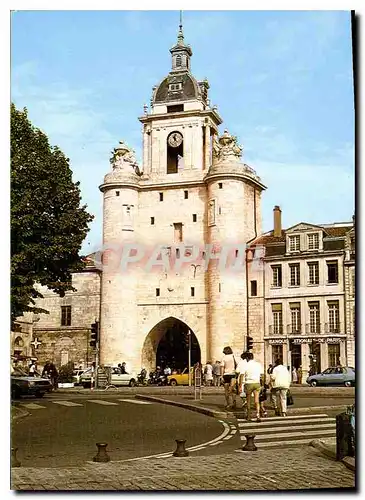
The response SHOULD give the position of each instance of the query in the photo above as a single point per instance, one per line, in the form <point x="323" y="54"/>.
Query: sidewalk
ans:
<point x="265" y="470"/>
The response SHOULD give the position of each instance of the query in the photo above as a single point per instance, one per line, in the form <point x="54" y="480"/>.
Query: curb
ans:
<point x="317" y="443"/>
<point x="187" y="406"/>
<point x="230" y="415"/>
<point x="20" y="413"/>
<point x="349" y="462"/>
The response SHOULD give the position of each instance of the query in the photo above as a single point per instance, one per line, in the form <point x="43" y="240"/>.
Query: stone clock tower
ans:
<point x="191" y="189"/>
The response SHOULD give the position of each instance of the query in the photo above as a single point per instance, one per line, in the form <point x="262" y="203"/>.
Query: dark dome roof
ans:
<point x="190" y="88"/>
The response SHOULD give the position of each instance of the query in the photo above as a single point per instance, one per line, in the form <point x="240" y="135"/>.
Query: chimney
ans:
<point x="277" y="221"/>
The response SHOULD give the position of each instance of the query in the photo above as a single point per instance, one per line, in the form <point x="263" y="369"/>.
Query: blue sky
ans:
<point x="282" y="81"/>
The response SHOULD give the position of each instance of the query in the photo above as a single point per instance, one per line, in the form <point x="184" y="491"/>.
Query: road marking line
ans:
<point x="101" y="402"/>
<point x="227" y="437"/>
<point x="263" y="423"/>
<point x="66" y="403"/>
<point x="136" y="401"/>
<point x="259" y="428"/>
<point x="233" y="431"/>
<point x="293" y="434"/>
<point x="290" y="417"/>
<point x="213" y="442"/>
<point x="298" y="428"/>
<point x="32" y="406"/>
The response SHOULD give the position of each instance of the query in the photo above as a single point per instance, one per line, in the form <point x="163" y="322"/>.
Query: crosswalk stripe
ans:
<point x="283" y="421"/>
<point x="290" y="417"/>
<point x="136" y="401"/>
<point x="66" y="403"/>
<point x="32" y="406"/>
<point x="262" y="430"/>
<point x="293" y="434"/>
<point x="101" y="402"/>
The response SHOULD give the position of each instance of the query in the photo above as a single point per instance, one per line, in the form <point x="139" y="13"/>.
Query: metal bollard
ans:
<point x="180" y="448"/>
<point x="250" y="443"/>
<point x="102" y="455"/>
<point x="14" y="461"/>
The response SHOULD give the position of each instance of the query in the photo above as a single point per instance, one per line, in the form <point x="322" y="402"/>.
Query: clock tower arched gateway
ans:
<point x="191" y="196"/>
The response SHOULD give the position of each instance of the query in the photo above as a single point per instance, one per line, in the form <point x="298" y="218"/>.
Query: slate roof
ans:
<point x="331" y="232"/>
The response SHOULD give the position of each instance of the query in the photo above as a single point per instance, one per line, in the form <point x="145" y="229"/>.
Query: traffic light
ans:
<point x="94" y="334"/>
<point x="249" y="343"/>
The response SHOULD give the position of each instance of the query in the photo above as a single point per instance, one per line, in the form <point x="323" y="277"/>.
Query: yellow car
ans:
<point x="180" y="378"/>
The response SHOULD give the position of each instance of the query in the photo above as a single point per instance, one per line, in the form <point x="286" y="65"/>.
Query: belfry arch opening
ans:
<point x="167" y="344"/>
<point x="175" y="153"/>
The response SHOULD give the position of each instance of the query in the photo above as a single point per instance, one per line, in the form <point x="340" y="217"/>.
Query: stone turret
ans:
<point x="234" y="192"/>
<point x="119" y="288"/>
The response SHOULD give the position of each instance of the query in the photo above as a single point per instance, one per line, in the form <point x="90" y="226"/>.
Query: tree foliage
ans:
<point x="48" y="225"/>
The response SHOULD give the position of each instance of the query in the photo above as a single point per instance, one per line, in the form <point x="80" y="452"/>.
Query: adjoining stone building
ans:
<point x="191" y="192"/>
<point x="301" y="294"/>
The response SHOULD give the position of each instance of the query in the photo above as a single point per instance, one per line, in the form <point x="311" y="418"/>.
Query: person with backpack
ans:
<point x="228" y="371"/>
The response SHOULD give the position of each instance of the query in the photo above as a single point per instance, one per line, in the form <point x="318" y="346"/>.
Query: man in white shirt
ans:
<point x="251" y="378"/>
<point x="240" y="370"/>
<point x="280" y="381"/>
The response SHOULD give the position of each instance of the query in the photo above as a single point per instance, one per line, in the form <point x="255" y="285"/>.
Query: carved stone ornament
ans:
<point x="123" y="158"/>
<point x="226" y="146"/>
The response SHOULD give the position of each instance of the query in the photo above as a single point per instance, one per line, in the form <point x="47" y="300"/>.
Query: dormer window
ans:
<point x="174" y="87"/>
<point x="313" y="241"/>
<point x="294" y="243"/>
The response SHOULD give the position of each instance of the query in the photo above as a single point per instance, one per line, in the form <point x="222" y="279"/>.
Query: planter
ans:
<point x="65" y="385"/>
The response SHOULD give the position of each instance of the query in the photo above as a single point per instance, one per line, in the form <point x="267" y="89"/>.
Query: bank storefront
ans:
<point x="312" y="353"/>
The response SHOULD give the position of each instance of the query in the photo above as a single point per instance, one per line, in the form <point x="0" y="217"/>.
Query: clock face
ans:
<point x="175" y="139"/>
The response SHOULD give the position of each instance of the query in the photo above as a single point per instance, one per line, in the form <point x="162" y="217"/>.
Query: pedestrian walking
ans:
<point x="217" y="374"/>
<point x="294" y="375"/>
<point x="263" y="398"/>
<point x="272" y="397"/>
<point x="280" y="378"/>
<point x="300" y="374"/>
<point x="208" y="374"/>
<point x="32" y="369"/>
<point x="228" y="371"/>
<point x="240" y="369"/>
<point x="252" y="384"/>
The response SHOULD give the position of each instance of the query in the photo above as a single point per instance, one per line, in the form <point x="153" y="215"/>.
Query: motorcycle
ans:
<point x="157" y="379"/>
<point x="142" y="377"/>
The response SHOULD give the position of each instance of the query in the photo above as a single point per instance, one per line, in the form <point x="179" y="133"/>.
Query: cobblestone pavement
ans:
<point x="270" y="470"/>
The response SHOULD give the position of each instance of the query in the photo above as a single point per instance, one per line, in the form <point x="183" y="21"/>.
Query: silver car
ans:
<point x="337" y="375"/>
<point x="116" y="378"/>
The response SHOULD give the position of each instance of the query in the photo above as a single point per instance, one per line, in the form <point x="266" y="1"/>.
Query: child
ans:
<point x="262" y="399"/>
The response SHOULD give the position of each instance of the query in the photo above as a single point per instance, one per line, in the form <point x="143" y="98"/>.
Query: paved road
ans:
<point x="62" y="431"/>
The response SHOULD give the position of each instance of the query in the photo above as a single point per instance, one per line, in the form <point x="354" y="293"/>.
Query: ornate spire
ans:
<point x="180" y="35"/>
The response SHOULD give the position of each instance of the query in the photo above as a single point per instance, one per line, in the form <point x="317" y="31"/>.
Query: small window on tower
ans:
<point x="220" y="185"/>
<point x="194" y="217"/>
<point x="117" y="193"/>
<point x="186" y="195"/>
<point x="152" y="221"/>
<point x="178" y="60"/>
<point x="161" y="196"/>
<point x="192" y="291"/>
<point x="157" y="292"/>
